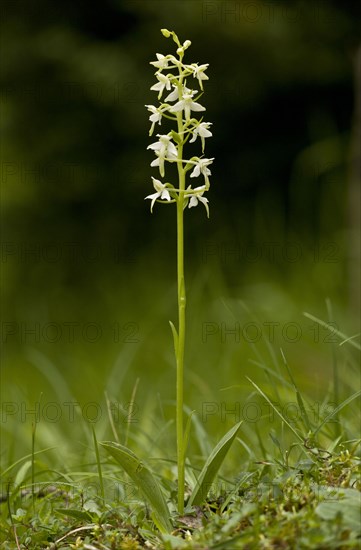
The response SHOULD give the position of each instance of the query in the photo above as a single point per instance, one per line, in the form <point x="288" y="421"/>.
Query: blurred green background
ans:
<point x="89" y="275"/>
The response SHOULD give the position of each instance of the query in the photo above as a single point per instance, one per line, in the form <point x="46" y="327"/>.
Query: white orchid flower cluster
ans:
<point x="178" y="106"/>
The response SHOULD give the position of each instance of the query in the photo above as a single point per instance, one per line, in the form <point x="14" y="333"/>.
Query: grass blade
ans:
<point x="9" y="468"/>
<point x="99" y="466"/>
<point x="343" y="337"/>
<point x="349" y="338"/>
<point x="131" y="406"/>
<point x="33" y="434"/>
<point x="110" y="416"/>
<point x="144" y="480"/>
<point x="11" y="517"/>
<point x="201" y="435"/>
<point x="337" y="410"/>
<point x="235" y="490"/>
<point x="275" y="409"/>
<point x="300" y="401"/>
<point x="212" y="466"/>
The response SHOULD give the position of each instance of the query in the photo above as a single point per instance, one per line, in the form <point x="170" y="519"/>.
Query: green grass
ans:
<point x="291" y="478"/>
<point x="289" y="495"/>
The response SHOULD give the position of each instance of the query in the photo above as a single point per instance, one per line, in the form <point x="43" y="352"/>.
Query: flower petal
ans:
<point x="196" y="171"/>
<point x="177" y="107"/>
<point x="173" y="96"/>
<point x="197" y="106"/>
<point x="165" y="195"/>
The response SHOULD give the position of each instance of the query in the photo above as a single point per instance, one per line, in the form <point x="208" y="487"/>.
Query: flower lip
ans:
<point x="174" y="95"/>
<point x="198" y="72"/>
<point x="196" y="195"/>
<point x="187" y="105"/>
<point x="202" y="131"/>
<point x="201" y="167"/>
<point x="164" y="82"/>
<point x="161" y="193"/>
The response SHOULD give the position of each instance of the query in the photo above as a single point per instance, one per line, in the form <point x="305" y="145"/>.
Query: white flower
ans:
<point x="161" y="193"/>
<point x="187" y="104"/>
<point x="201" y="168"/>
<point x="202" y="131"/>
<point x="164" y="82"/>
<point x="173" y="96"/>
<point x="165" y="150"/>
<point x="197" y="195"/>
<point x="162" y="62"/>
<point x="198" y="72"/>
<point x="156" y="116"/>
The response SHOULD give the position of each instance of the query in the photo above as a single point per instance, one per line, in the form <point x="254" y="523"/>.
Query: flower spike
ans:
<point x="181" y="106"/>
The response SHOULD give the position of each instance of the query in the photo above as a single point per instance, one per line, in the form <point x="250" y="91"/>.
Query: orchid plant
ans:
<point x="179" y="78"/>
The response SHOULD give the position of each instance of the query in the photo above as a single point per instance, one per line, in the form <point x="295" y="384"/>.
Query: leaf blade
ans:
<point x="81" y="515"/>
<point x="144" y="480"/>
<point x="212" y="465"/>
<point x="175" y="337"/>
<point x="343" y="337"/>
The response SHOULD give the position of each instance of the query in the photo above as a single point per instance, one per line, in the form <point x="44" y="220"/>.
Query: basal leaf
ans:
<point x="144" y="480"/>
<point x="212" y="466"/>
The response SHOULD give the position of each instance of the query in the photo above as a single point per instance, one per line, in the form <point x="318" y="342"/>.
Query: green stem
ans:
<point x="180" y="356"/>
<point x="181" y="321"/>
